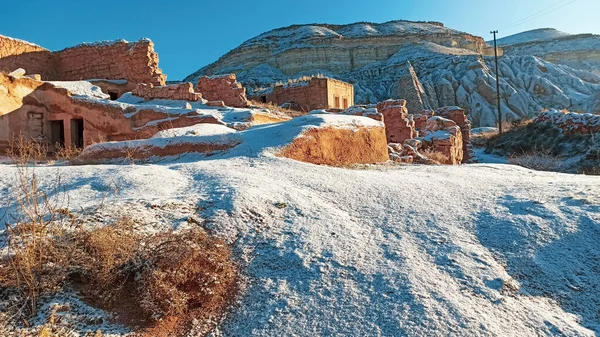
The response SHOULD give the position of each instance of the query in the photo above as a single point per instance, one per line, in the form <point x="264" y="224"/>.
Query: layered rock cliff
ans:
<point x="424" y="62"/>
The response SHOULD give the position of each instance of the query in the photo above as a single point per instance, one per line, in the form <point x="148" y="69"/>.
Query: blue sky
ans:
<point x="191" y="34"/>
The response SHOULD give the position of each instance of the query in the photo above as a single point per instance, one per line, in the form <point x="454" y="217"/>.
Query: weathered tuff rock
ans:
<point x="378" y="59"/>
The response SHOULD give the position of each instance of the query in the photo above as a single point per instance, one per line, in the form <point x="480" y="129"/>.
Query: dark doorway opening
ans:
<point x="57" y="133"/>
<point x="263" y="99"/>
<point x="113" y="95"/>
<point x="77" y="133"/>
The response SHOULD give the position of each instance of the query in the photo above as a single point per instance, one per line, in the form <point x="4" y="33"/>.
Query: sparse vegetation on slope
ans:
<point x="543" y="146"/>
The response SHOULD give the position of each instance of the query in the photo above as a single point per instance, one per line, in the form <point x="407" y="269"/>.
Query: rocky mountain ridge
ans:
<point x="427" y="64"/>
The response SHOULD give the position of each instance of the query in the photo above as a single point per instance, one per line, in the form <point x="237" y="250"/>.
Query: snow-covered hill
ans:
<point x="378" y="59"/>
<point x="543" y="34"/>
<point x="475" y="250"/>
<point x="578" y="51"/>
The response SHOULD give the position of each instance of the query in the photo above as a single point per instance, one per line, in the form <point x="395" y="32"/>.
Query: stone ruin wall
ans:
<point x="136" y="62"/>
<point x="180" y="91"/>
<point x="15" y="54"/>
<point x="223" y="88"/>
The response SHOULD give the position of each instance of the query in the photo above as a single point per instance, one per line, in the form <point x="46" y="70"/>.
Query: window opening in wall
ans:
<point x="336" y="100"/>
<point x="345" y="103"/>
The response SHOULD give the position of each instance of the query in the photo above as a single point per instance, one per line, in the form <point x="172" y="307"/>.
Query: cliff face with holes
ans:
<point x="136" y="62"/>
<point x="427" y="64"/>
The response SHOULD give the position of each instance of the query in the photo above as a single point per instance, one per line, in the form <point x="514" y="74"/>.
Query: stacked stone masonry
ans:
<point x="136" y="62"/>
<point x="223" y="88"/>
<point x="181" y="91"/>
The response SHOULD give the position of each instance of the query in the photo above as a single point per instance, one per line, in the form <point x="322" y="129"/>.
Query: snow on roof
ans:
<point x="81" y="88"/>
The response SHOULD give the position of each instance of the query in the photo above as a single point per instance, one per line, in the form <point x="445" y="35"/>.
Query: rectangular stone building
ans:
<point x="314" y="94"/>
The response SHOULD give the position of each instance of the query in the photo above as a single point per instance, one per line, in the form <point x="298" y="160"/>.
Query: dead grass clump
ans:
<point x="539" y="161"/>
<point x="436" y="156"/>
<point x="187" y="274"/>
<point x="24" y="151"/>
<point x="67" y="152"/>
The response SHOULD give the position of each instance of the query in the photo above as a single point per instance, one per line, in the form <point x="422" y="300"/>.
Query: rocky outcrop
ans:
<point x="570" y="122"/>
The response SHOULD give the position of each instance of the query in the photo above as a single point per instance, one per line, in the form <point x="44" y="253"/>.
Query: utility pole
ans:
<point x="497" y="83"/>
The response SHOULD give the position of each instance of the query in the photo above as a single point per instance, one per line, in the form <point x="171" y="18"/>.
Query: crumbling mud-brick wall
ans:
<point x="136" y="62"/>
<point x="458" y="116"/>
<point x="223" y="88"/>
<point x="314" y="94"/>
<point x="15" y="54"/>
<point x="180" y="91"/>
<point x="398" y="127"/>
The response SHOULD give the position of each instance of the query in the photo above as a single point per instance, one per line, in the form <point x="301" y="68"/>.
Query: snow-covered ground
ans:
<point x="471" y="250"/>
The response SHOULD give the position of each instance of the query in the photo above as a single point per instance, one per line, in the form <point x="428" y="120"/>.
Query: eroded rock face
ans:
<point x="352" y="46"/>
<point x="416" y="63"/>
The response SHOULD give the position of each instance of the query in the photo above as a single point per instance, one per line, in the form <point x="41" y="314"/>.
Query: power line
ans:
<point x="540" y="13"/>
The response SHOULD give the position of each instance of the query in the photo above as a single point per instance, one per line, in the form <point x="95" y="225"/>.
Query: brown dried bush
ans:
<point x="66" y="152"/>
<point x="436" y="156"/>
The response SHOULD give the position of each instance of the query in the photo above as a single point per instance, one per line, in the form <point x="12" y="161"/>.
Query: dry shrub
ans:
<point x="436" y="156"/>
<point x="154" y="281"/>
<point x="67" y="152"/>
<point x="539" y="162"/>
<point x="23" y="151"/>
<point x="35" y="264"/>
